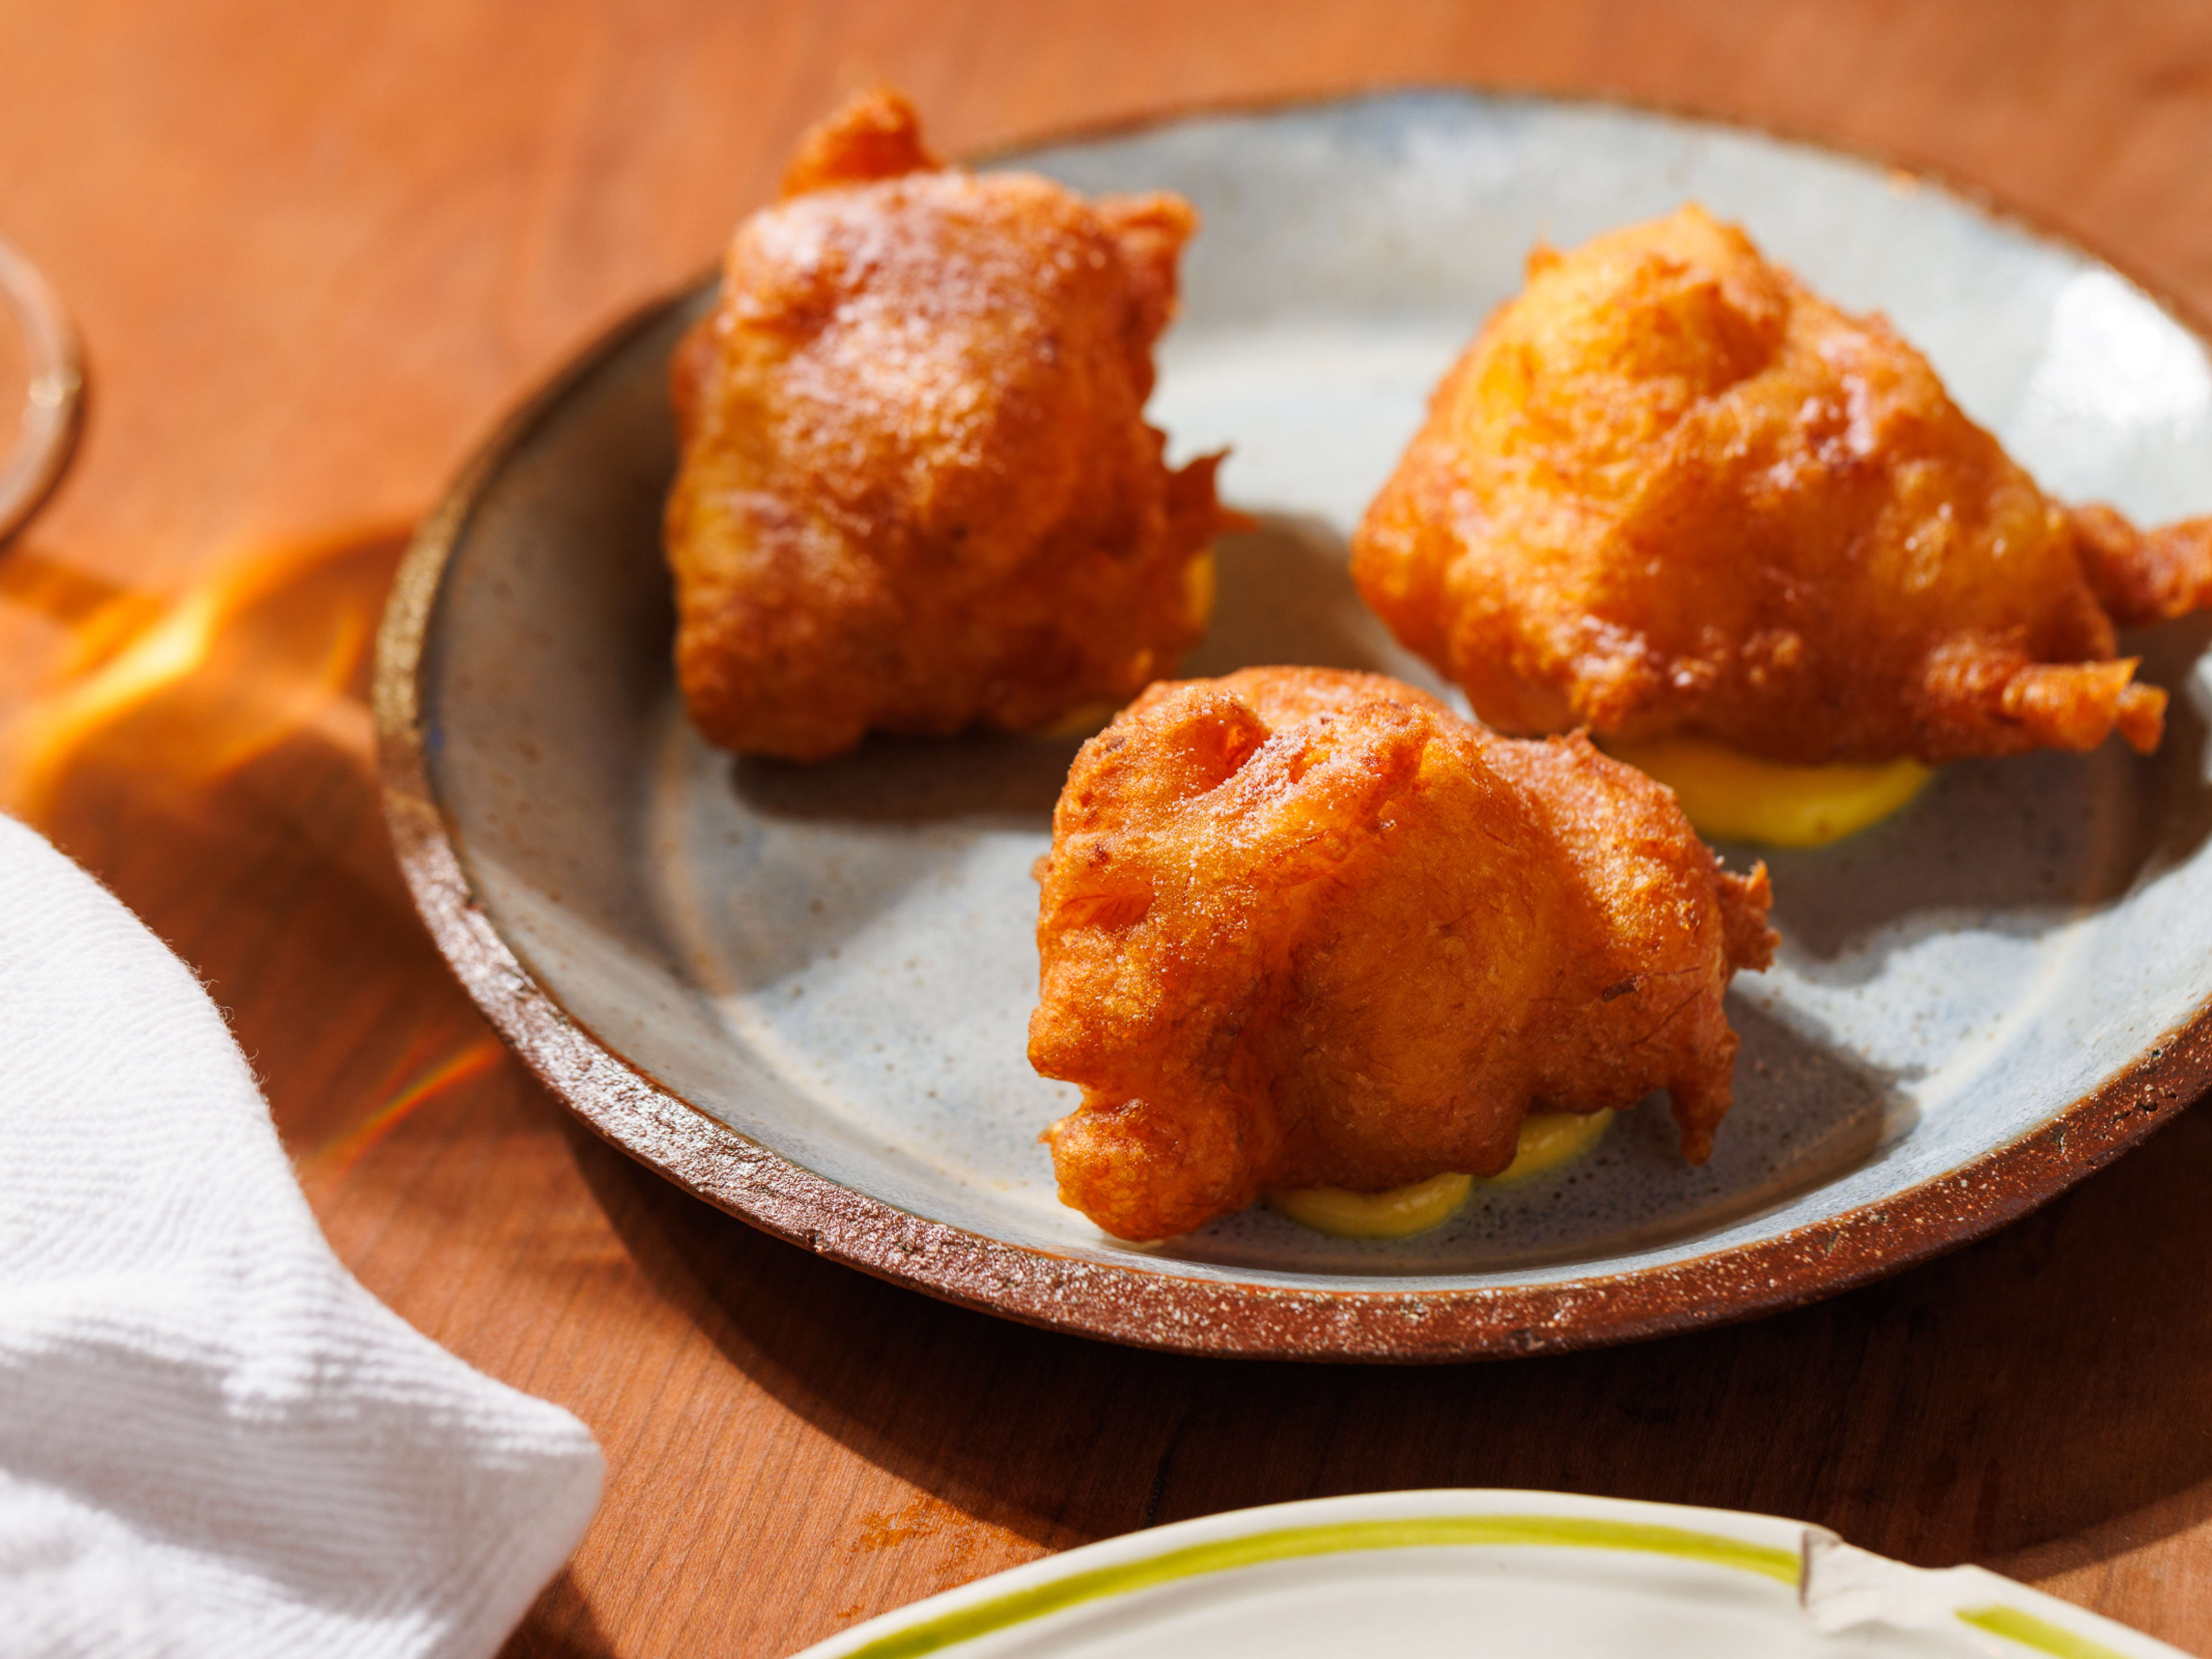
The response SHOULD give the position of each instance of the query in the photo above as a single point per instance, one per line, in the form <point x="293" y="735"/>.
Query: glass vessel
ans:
<point x="42" y="382"/>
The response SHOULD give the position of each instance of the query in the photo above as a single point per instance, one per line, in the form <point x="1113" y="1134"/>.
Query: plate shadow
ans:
<point x="1877" y="1413"/>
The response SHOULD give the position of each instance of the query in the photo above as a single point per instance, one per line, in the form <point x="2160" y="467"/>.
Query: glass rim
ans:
<point x="53" y="392"/>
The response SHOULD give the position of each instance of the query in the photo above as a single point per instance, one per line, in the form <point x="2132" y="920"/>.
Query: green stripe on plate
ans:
<point x="2040" y="1634"/>
<point x="1223" y="1555"/>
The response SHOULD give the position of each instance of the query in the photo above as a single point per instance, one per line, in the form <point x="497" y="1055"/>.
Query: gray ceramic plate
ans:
<point x="802" y="993"/>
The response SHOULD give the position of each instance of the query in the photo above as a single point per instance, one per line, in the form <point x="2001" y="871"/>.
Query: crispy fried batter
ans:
<point x="2143" y="576"/>
<point x="1668" y="489"/>
<point x="1302" y="927"/>
<point x="917" y="491"/>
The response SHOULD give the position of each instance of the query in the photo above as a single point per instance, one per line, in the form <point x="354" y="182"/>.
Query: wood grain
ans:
<point x="315" y="249"/>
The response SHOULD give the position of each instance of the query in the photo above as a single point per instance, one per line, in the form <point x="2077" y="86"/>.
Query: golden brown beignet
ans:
<point x="917" y="491"/>
<point x="1303" y="926"/>
<point x="1667" y="490"/>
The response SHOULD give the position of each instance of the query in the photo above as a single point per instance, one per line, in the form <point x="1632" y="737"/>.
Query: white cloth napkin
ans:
<point x="213" y="1441"/>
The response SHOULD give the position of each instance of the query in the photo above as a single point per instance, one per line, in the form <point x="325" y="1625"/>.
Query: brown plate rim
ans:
<point x="1149" y="1307"/>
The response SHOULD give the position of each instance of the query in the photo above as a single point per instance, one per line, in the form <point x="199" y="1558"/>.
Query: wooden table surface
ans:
<point x="316" y="249"/>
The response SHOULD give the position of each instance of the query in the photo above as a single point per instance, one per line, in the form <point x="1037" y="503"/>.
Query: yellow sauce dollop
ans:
<point x="1550" y="1138"/>
<point x="1084" y="719"/>
<point x="1729" y="796"/>
<point x="1397" y="1214"/>
<point x="1547" y="1140"/>
<point x="1199" y="578"/>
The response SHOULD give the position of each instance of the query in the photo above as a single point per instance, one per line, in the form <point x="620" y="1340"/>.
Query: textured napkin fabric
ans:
<point x="213" y="1441"/>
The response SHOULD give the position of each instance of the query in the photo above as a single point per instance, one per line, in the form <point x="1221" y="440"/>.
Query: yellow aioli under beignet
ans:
<point x="1547" y="1140"/>
<point x="1084" y="721"/>
<point x="1551" y="1138"/>
<point x="1729" y="795"/>
<point x="1201" y="581"/>
<point x="1399" y="1213"/>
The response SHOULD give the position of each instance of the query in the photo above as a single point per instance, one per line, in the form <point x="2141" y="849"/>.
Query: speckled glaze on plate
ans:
<point x="801" y="994"/>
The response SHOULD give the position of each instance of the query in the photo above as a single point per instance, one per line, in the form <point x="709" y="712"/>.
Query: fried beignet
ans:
<point x="1668" y="491"/>
<point x="1306" y="928"/>
<point x="917" y="492"/>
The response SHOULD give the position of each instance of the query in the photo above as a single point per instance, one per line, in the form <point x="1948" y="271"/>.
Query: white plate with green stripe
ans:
<point x="1482" y="1573"/>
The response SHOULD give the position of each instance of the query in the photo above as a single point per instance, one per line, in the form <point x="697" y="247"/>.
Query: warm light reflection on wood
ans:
<point x="196" y="686"/>
<point x="335" y="1157"/>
